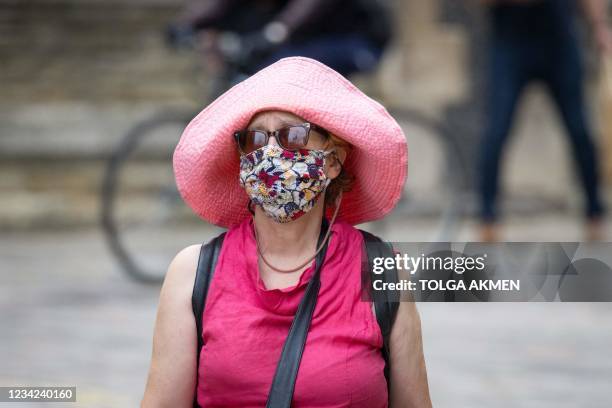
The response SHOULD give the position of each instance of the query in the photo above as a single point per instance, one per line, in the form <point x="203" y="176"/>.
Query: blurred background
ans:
<point x="93" y="97"/>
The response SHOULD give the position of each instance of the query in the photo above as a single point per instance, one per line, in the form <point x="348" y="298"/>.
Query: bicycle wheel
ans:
<point x="140" y="204"/>
<point x="438" y="175"/>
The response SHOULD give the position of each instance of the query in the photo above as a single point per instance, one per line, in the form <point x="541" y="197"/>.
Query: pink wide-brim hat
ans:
<point x="206" y="162"/>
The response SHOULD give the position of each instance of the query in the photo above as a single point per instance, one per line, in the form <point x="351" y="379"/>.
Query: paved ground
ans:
<point x="70" y="317"/>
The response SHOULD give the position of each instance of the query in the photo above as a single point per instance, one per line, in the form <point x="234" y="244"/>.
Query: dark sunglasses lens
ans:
<point x="251" y="140"/>
<point x="293" y="137"/>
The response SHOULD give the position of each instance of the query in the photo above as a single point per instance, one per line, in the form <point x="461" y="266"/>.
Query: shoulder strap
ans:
<point x="385" y="302"/>
<point x="283" y="384"/>
<point x="204" y="274"/>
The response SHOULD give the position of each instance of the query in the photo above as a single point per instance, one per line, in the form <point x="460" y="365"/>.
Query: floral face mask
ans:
<point x="286" y="184"/>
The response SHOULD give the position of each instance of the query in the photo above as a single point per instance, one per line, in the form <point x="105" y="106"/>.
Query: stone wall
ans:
<point x="77" y="74"/>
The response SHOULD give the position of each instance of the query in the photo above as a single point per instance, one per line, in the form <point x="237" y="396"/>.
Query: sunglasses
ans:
<point x="292" y="137"/>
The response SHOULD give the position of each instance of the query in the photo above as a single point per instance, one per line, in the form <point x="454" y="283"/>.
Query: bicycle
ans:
<point x="153" y="139"/>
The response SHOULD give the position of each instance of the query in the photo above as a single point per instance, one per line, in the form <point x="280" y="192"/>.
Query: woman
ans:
<point x="307" y="147"/>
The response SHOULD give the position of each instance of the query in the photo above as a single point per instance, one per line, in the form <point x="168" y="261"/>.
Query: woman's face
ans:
<point x="273" y="120"/>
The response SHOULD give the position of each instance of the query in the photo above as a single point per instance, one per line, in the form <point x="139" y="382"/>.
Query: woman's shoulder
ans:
<point x="185" y="262"/>
<point x="344" y="227"/>
<point x="353" y="237"/>
<point x="348" y="237"/>
<point x="347" y="230"/>
<point x="186" y="255"/>
<point x="182" y="270"/>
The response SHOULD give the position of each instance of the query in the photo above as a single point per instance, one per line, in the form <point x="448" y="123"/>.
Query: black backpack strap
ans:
<point x="204" y="274"/>
<point x="386" y="303"/>
<point x="283" y="384"/>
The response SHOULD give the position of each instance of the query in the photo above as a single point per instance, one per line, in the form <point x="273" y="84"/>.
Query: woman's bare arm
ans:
<point x="172" y="375"/>
<point x="409" y="388"/>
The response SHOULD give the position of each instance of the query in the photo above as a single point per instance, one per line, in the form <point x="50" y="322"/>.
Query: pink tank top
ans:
<point x="245" y="326"/>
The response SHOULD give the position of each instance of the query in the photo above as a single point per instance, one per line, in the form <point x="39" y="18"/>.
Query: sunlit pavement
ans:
<point x="69" y="316"/>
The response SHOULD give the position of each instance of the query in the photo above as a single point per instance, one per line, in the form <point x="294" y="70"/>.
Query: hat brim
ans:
<point x="206" y="161"/>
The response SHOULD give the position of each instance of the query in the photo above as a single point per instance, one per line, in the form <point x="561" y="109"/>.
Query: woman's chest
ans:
<point x="341" y="365"/>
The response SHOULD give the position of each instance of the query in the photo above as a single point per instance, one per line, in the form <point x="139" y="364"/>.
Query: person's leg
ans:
<point x="346" y="54"/>
<point x="505" y="82"/>
<point x="565" y="83"/>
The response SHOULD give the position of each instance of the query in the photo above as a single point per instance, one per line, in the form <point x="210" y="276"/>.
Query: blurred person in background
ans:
<point x="537" y="40"/>
<point x="347" y="35"/>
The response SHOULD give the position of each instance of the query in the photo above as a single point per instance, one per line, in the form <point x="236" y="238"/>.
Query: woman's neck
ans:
<point x="288" y="244"/>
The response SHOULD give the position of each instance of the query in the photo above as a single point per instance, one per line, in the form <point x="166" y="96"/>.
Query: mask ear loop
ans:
<point x="339" y="199"/>
<point x="335" y="153"/>
<point x="250" y="207"/>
